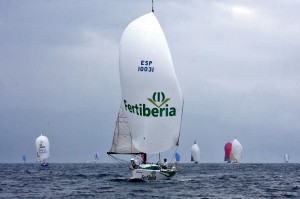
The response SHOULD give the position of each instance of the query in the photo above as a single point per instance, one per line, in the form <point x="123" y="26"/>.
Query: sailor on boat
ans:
<point x="133" y="165"/>
<point x="165" y="164"/>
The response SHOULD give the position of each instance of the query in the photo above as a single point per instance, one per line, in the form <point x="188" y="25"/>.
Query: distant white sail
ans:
<point x="96" y="156"/>
<point x="151" y="93"/>
<point x="42" y="148"/>
<point x="195" y="153"/>
<point x="236" y="151"/>
<point x="286" y="158"/>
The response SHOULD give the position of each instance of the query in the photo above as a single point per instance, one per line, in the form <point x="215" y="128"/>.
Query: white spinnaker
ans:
<point x="237" y="150"/>
<point x="195" y="152"/>
<point x="42" y="147"/>
<point x="143" y="40"/>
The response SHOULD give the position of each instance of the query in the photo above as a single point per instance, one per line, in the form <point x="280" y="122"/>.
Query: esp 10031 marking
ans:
<point x="145" y="66"/>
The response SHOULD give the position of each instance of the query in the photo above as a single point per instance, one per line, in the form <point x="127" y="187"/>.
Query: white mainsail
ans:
<point x="195" y="153"/>
<point x="42" y="148"/>
<point x="151" y="93"/>
<point x="122" y="143"/>
<point x="236" y="151"/>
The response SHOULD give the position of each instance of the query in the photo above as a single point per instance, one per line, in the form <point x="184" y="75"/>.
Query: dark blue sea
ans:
<point x="111" y="181"/>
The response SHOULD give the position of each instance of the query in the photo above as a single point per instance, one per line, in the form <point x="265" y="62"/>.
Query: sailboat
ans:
<point x="286" y="158"/>
<point x="150" y="113"/>
<point x="96" y="156"/>
<point x="233" y="151"/>
<point x="177" y="157"/>
<point x="42" y="149"/>
<point x="24" y="158"/>
<point x="195" y="153"/>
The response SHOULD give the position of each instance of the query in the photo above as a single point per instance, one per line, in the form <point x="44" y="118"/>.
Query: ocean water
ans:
<point x="112" y="181"/>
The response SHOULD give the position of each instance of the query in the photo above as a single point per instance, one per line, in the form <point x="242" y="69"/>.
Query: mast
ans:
<point x="152" y="6"/>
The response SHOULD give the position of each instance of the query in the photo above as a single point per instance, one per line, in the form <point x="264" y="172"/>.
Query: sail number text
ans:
<point x="145" y="66"/>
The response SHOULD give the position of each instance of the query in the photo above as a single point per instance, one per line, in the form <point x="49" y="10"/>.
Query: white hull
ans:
<point x="152" y="172"/>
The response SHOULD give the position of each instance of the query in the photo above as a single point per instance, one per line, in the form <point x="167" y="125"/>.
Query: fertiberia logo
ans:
<point x="160" y="108"/>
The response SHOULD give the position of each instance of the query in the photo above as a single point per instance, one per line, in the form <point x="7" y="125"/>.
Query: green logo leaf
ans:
<point x="153" y="101"/>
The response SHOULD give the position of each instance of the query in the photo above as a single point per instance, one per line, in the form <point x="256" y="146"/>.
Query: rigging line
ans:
<point x="177" y="144"/>
<point x="159" y="158"/>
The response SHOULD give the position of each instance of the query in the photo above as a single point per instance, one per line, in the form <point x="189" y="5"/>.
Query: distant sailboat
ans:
<point x="150" y="114"/>
<point x="96" y="156"/>
<point x="177" y="157"/>
<point x="195" y="153"/>
<point x="24" y="158"/>
<point x="233" y="151"/>
<point x="42" y="149"/>
<point x="286" y="158"/>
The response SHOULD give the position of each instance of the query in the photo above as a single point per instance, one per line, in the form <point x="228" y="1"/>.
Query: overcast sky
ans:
<point x="238" y="64"/>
